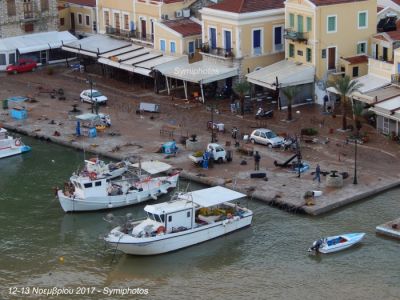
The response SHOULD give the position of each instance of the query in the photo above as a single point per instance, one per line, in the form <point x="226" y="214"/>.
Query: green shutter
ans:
<point x="362" y="19"/>
<point x="291" y="50"/>
<point x="332" y="23"/>
<point x="299" y="23"/>
<point x="309" y="24"/>
<point x="308" y="54"/>
<point x="291" y="20"/>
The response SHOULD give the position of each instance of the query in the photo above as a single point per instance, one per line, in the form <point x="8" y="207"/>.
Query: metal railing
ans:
<point x="293" y="35"/>
<point x="218" y="51"/>
<point x="132" y="34"/>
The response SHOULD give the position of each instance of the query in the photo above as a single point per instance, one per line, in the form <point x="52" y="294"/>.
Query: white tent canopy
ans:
<point x="212" y="196"/>
<point x="289" y="73"/>
<point x="153" y="167"/>
<point x="36" y="41"/>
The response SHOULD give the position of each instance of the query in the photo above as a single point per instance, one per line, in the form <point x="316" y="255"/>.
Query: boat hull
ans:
<point x="175" y="241"/>
<point x="73" y="204"/>
<point x="14" y="151"/>
<point x="353" y="239"/>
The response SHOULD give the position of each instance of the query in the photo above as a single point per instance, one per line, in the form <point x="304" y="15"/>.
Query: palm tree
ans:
<point x="357" y="114"/>
<point x="290" y="93"/>
<point x="345" y="87"/>
<point x="241" y="88"/>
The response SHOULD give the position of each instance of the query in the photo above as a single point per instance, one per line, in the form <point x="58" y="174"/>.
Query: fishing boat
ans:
<point x="92" y="192"/>
<point x="336" y="243"/>
<point x="96" y="167"/>
<point x="186" y="220"/>
<point x="10" y="146"/>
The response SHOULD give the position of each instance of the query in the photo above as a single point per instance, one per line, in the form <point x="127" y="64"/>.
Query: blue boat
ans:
<point x="336" y="243"/>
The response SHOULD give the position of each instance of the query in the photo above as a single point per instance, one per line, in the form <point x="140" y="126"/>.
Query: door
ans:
<point x="143" y="27"/>
<point x="385" y="54"/>
<point x="213" y="38"/>
<point x="332" y="58"/>
<point x="278" y="37"/>
<point x="73" y="22"/>
<point x="117" y="22"/>
<point x="299" y="23"/>
<point x="191" y="47"/>
<point x="43" y="57"/>
<point x="228" y="41"/>
<point x="376" y="51"/>
<point x="385" y="127"/>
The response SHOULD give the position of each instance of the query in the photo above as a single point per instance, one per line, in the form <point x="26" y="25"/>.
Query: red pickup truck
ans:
<point x="23" y="65"/>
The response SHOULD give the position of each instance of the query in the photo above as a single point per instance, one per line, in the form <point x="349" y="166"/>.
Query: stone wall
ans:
<point x="41" y="21"/>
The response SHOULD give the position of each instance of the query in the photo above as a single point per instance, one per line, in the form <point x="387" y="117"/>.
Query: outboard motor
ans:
<point x="316" y="245"/>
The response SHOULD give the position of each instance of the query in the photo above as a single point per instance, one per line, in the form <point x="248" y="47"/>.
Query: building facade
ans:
<point x="78" y="16"/>
<point x="19" y="17"/>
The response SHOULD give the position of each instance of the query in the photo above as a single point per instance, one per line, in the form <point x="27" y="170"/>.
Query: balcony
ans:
<point x="296" y="36"/>
<point x="130" y="34"/>
<point x="217" y="51"/>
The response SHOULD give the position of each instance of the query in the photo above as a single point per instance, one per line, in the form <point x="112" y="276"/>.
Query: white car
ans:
<point x="266" y="137"/>
<point x="93" y="95"/>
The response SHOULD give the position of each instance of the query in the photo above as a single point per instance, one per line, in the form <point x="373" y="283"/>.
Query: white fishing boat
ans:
<point x="96" y="168"/>
<point x="336" y="243"/>
<point x="10" y="146"/>
<point x="85" y="193"/>
<point x="189" y="219"/>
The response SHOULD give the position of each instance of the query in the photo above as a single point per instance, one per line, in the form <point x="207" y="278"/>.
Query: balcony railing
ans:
<point x="396" y="79"/>
<point x="131" y="34"/>
<point x="293" y="35"/>
<point x="218" y="51"/>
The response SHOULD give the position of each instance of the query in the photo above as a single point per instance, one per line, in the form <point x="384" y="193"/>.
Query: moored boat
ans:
<point x="10" y="146"/>
<point x="92" y="192"/>
<point x="336" y="243"/>
<point x="188" y="219"/>
<point x="95" y="167"/>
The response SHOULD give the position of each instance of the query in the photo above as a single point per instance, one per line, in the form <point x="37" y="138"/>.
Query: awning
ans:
<point x="152" y="167"/>
<point x="95" y="45"/>
<point x="200" y="72"/>
<point x="389" y="108"/>
<point x="289" y="73"/>
<point x="36" y="41"/>
<point x="212" y="196"/>
<point x="87" y="117"/>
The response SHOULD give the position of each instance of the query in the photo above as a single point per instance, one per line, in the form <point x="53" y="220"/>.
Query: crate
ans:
<point x="19" y="113"/>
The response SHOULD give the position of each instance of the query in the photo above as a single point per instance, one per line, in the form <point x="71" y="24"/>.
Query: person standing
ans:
<point x="317" y="174"/>
<point x="257" y="159"/>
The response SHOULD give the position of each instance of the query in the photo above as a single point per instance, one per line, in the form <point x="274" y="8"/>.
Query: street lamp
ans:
<point x="91" y="82"/>
<point x="212" y="123"/>
<point x="355" y="162"/>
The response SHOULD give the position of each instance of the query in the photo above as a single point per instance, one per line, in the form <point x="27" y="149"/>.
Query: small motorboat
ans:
<point x="10" y="145"/>
<point x="336" y="243"/>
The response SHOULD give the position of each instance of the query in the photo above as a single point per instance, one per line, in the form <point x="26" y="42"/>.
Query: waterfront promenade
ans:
<point x="138" y="136"/>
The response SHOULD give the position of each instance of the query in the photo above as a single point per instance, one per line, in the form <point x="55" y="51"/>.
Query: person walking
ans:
<point x="257" y="159"/>
<point x="317" y="174"/>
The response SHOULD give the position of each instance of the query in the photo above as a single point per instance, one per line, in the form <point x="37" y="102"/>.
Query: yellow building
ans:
<point x="320" y="32"/>
<point x="135" y="19"/>
<point x="77" y="16"/>
<point x="243" y="33"/>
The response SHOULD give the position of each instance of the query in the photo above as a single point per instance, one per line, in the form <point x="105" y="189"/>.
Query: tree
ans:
<point x="358" y="109"/>
<point x="290" y="93"/>
<point x="345" y="87"/>
<point x="241" y="88"/>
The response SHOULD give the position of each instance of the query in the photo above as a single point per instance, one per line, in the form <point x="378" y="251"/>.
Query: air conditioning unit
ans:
<point x="186" y="13"/>
<point x="178" y="14"/>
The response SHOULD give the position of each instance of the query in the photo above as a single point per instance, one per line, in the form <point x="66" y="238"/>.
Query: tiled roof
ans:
<point x="333" y="2"/>
<point x="246" y="6"/>
<point x="186" y="27"/>
<point x="379" y="8"/>
<point x="91" y="3"/>
<point x="394" y="35"/>
<point x="380" y="37"/>
<point x="357" y="59"/>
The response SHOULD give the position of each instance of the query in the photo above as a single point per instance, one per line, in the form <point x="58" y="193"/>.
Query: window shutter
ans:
<point x="291" y="20"/>
<point x="309" y="24"/>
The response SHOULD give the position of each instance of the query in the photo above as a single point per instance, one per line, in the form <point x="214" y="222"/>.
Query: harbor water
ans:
<point x="41" y="246"/>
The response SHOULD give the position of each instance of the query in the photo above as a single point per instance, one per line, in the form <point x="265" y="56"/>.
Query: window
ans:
<point x="172" y="47"/>
<point x="299" y="23"/>
<point x="44" y="5"/>
<point x="107" y="18"/>
<point x="309" y="24"/>
<point x="169" y="218"/>
<point x="213" y="38"/>
<point x="299" y="53"/>
<point x="308" y="54"/>
<point x="291" y="50"/>
<point x="88" y="185"/>
<point x="278" y="38"/>
<point x="2" y="59"/>
<point x="62" y="21"/>
<point x="331" y="24"/>
<point x="227" y="40"/>
<point x="291" y="20"/>
<point x="361" y="48"/>
<point x="11" y="58"/>
<point x="362" y="19"/>
<point x="191" y="47"/>
<point x="87" y="20"/>
<point x="80" y="20"/>
<point x="162" y="218"/>
<point x="162" y="45"/>
<point x="188" y="214"/>
<point x="323" y="53"/>
<point x="126" y="22"/>
<point x="11" y="8"/>
<point x="257" y="50"/>
<point x="355" y="71"/>
<point x="97" y="183"/>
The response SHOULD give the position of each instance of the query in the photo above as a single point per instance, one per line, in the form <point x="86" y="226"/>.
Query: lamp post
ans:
<point x="355" y="162"/>
<point x="212" y="123"/>
<point x="90" y="81"/>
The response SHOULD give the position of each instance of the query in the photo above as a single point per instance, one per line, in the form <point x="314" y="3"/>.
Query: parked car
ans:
<point x="93" y="95"/>
<point x="266" y="137"/>
<point x="23" y="65"/>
